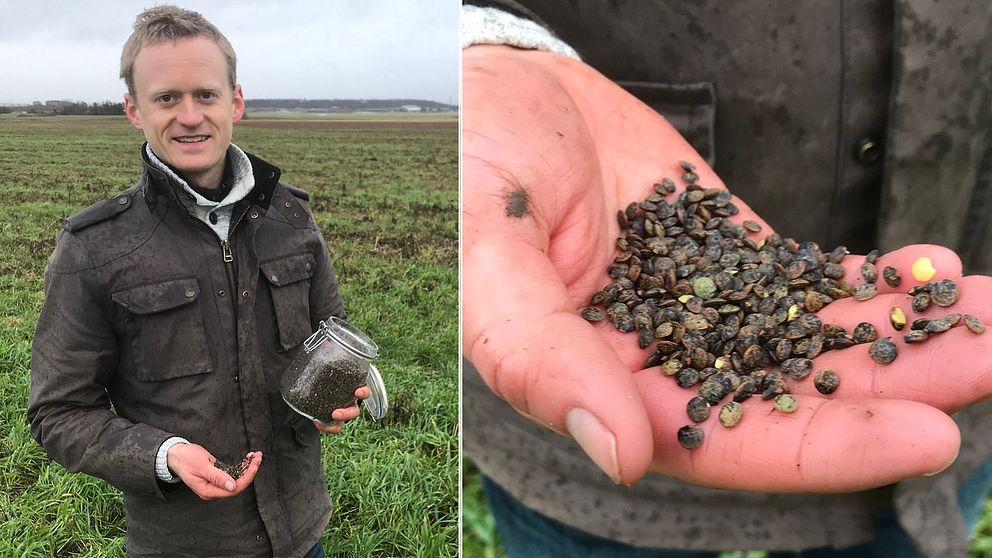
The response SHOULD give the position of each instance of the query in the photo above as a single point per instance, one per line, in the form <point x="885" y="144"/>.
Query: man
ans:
<point x="733" y="82"/>
<point x="179" y="303"/>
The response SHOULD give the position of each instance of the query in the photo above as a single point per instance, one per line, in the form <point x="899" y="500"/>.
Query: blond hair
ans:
<point x="168" y="23"/>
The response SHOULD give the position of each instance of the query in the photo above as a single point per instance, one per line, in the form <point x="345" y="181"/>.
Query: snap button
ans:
<point x="296" y="215"/>
<point x="221" y="292"/>
<point x="868" y="151"/>
<point x="122" y="201"/>
<point x="237" y="379"/>
<point x="274" y="279"/>
<point x="261" y="197"/>
<point x="288" y="204"/>
<point x="307" y="266"/>
<point x="213" y="218"/>
<point x="253" y="215"/>
<point x="244" y="294"/>
<point x="271" y="175"/>
<point x="190" y="293"/>
<point x="258" y="538"/>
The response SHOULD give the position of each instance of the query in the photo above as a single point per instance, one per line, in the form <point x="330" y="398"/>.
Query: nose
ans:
<point x="189" y="113"/>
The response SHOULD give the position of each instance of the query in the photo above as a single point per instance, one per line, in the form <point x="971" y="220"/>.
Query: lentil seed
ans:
<point x="786" y="403"/>
<point x="974" y="324"/>
<point x="730" y="414"/>
<point x="826" y="381"/>
<point x="883" y="351"/>
<point x="690" y="437"/>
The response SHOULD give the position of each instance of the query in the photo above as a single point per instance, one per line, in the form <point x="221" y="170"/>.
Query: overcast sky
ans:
<point x="315" y="49"/>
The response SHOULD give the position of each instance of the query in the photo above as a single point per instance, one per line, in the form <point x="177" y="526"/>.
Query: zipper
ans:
<point x="228" y="253"/>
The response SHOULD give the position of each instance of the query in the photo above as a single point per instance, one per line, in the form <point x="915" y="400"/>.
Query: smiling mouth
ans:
<point x="191" y="139"/>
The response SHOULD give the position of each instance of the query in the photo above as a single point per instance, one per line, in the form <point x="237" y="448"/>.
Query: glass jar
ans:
<point x="335" y="361"/>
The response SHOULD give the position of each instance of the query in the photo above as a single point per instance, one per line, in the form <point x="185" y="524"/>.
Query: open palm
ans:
<point x="551" y="151"/>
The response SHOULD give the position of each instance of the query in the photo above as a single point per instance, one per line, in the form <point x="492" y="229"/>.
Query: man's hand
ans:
<point x="551" y="151"/>
<point x="341" y="416"/>
<point x="195" y="466"/>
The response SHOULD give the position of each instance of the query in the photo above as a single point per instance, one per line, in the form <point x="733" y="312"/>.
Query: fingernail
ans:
<point x="944" y="468"/>
<point x="229" y="485"/>
<point x="598" y="442"/>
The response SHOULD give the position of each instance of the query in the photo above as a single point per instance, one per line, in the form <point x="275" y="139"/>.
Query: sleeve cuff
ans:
<point x="492" y="26"/>
<point x="161" y="460"/>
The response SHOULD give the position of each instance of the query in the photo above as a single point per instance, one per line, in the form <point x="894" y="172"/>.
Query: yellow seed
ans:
<point x="923" y="270"/>
<point x="760" y="243"/>
<point x="685" y="298"/>
<point x="793" y="311"/>
<point x="721" y="362"/>
<point x="898" y="318"/>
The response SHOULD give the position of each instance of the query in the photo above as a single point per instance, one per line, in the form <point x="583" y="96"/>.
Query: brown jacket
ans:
<point x="141" y="314"/>
<point x="782" y="98"/>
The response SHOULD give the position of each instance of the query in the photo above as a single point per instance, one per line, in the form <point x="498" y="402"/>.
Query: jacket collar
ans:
<point x="155" y="182"/>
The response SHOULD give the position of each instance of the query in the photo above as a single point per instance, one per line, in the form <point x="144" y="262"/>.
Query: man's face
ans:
<point x="185" y="106"/>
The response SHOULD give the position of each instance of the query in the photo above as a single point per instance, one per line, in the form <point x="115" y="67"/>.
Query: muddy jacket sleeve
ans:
<point x="73" y="359"/>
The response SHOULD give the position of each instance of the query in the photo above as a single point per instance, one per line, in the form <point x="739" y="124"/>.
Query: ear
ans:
<point x="239" y="103"/>
<point x="132" y="111"/>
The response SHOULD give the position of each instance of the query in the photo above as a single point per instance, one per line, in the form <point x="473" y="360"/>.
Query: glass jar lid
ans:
<point x="350" y="337"/>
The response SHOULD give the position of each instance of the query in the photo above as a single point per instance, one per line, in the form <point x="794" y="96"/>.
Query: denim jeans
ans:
<point x="528" y="534"/>
<point x="316" y="552"/>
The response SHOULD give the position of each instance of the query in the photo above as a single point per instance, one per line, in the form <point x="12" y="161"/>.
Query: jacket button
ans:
<point x="868" y="151"/>
<point x="258" y="538"/>
<point x="190" y="293"/>
<point x="253" y="215"/>
<point x="274" y="279"/>
<point x="213" y="218"/>
<point x="288" y="204"/>
<point x="122" y="201"/>
<point x="237" y="379"/>
<point x="221" y="292"/>
<point x="244" y="294"/>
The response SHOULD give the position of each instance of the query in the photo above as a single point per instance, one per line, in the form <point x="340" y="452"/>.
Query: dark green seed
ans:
<point x="869" y="272"/>
<point x="973" y="324"/>
<point x="883" y="351"/>
<point x="871" y="257"/>
<point x="747" y="389"/>
<point x="864" y="333"/>
<point x="592" y="314"/>
<point x="953" y="319"/>
<point x="752" y="226"/>
<point x="730" y="414"/>
<point x="826" y="381"/>
<point x="687" y="166"/>
<point x="920" y="323"/>
<point x="691" y="177"/>
<point x="620" y="316"/>
<point x="786" y="403"/>
<point x="698" y="409"/>
<point x="921" y="301"/>
<point x="944" y="293"/>
<point x="690" y="436"/>
<point x="937" y="326"/>
<point x="865" y="292"/>
<point x="797" y="368"/>
<point x="669" y="185"/>
<point x="916" y="336"/>
<point x="687" y="377"/>
<point x="891" y="276"/>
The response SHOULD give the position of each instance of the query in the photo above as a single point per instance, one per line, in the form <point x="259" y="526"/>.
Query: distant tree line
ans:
<point x="345" y="105"/>
<point x="105" y="107"/>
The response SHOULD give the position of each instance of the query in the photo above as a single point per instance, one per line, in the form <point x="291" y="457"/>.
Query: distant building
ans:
<point x="411" y="108"/>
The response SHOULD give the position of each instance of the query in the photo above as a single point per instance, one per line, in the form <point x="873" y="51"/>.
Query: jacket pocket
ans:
<point x="289" y="284"/>
<point x="164" y="325"/>
<point x="689" y="107"/>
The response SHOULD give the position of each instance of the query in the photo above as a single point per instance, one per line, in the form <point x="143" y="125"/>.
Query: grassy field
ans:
<point x="385" y="196"/>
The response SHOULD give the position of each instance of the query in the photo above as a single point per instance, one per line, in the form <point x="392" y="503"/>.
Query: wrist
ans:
<point x="162" y="470"/>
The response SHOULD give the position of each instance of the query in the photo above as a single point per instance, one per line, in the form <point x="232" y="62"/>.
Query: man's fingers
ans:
<point x="347" y="413"/>
<point x="363" y="392"/>
<point x="534" y="351"/>
<point x="824" y="446"/>
<point x="944" y="263"/>
<point x="329" y="428"/>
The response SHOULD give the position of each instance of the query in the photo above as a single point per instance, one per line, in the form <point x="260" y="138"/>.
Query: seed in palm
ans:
<point x="690" y="436"/>
<point x="826" y="381"/>
<point x="883" y="351"/>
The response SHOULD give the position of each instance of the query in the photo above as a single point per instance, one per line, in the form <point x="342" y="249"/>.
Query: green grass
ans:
<point x="386" y="199"/>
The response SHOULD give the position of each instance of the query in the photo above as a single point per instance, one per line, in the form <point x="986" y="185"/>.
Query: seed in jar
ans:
<point x="891" y="276"/>
<point x="865" y="292"/>
<point x="923" y="270"/>
<point x="730" y="414"/>
<point x="690" y="436"/>
<point x="786" y="403"/>
<point x="883" y="351"/>
<point x="944" y="292"/>
<point x="921" y="301"/>
<point x="592" y="314"/>
<point x="698" y="409"/>
<point x="869" y="272"/>
<point x="826" y="381"/>
<point x="897" y="318"/>
<point x="864" y="333"/>
<point x="973" y="324"/>
<point x="916" y="336"/>
<point x="752" y="226"/>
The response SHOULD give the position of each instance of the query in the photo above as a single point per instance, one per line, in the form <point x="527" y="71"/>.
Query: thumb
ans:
<point x="219" y="478"/>
<point x="532" y="349"/>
